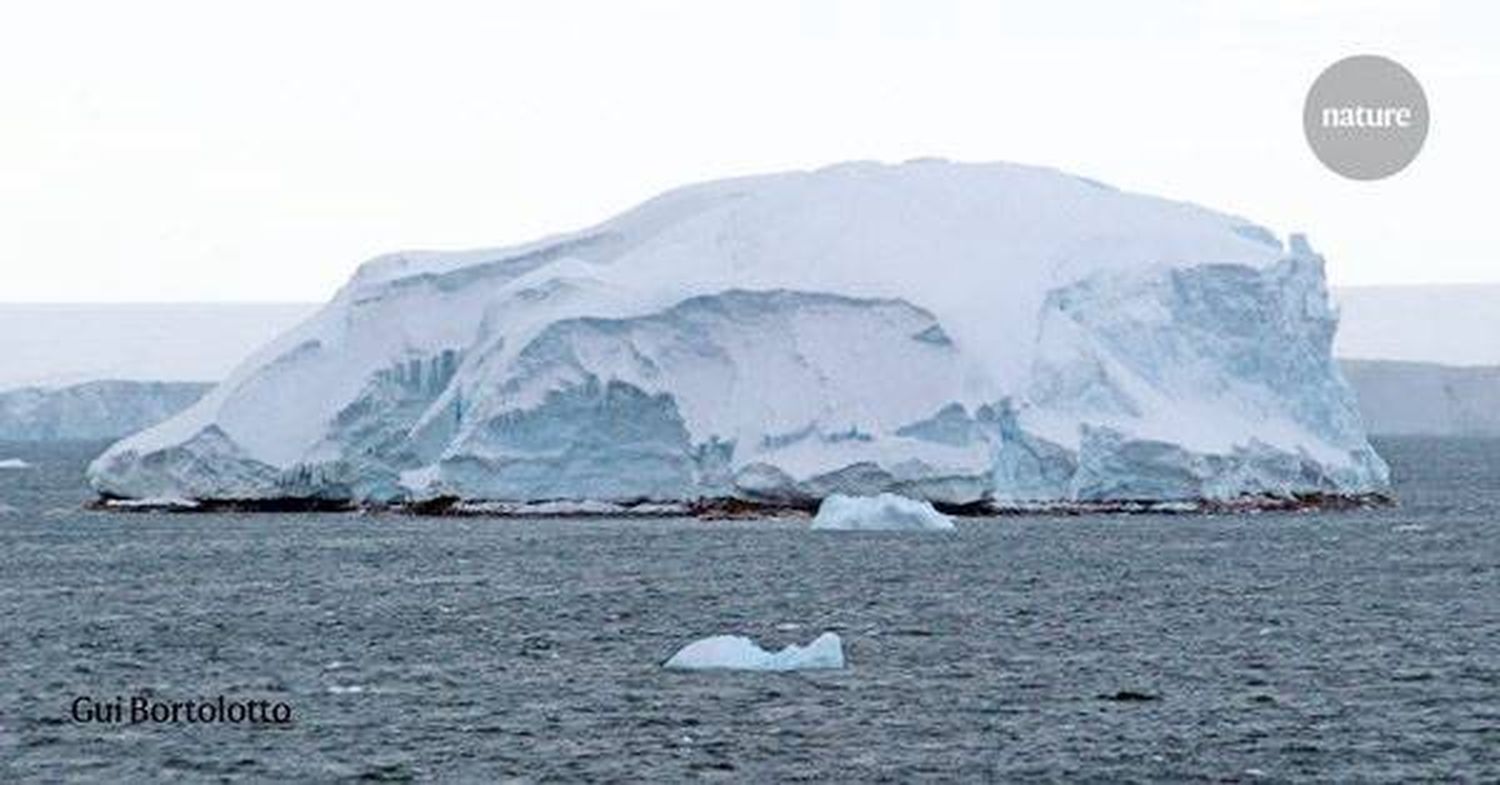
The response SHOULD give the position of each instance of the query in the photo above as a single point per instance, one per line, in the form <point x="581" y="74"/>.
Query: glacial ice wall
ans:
<point x="965" y="334"/>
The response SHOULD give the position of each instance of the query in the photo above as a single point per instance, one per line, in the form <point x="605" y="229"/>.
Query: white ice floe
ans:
<point x="14" y="463"/>
<point x="886" y="512"/>
<point x="736" y="652"/>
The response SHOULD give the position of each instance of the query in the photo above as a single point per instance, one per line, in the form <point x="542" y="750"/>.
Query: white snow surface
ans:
<point x="736" y="652"/>
<point x="885" y="512"/>
<point x="950" y="332"/>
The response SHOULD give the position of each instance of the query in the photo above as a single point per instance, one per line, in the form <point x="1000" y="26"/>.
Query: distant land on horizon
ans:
<point x="52" y="345"/>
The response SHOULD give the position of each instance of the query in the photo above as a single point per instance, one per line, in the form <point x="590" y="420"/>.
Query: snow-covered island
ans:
<point x="980" y="336"/>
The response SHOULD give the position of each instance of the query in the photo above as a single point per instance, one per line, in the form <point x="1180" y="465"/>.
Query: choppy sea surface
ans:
<point x="1359" y="646"/>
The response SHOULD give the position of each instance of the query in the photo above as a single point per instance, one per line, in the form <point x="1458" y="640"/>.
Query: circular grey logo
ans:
<point x="1365" y="117"/>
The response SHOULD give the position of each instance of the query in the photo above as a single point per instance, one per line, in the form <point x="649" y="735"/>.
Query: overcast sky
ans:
<point x="169" y="151"/>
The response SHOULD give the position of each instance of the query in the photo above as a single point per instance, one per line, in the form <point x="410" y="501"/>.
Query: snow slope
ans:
<point x="951" y="332"/>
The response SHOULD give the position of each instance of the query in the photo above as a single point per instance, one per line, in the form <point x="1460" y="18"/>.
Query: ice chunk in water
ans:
<point x="886" y="512"/>
<point x="736" y="652"/>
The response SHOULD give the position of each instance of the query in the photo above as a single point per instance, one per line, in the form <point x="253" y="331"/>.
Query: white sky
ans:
<point x="167" y="151"/>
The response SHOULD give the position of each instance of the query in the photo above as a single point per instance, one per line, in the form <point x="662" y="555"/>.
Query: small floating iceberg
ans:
<point x="14" y="463"/>
<point x="736" y="652"/>
<point x="886" y="512"/>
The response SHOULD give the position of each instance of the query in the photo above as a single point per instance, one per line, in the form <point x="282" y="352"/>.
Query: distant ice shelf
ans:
<point x="1427" y="399"/>
<point x="977" y="336"/>
<point x="92" y="410"/>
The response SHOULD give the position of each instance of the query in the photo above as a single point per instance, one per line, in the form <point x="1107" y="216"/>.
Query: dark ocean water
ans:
<point x="1353" y="646"/>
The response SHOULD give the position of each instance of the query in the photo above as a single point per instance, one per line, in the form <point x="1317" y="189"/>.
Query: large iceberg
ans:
<point x="977" y="336"/>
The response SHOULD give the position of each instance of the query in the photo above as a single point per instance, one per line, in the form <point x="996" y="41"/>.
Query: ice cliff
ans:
<point x="971" y="335"/>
